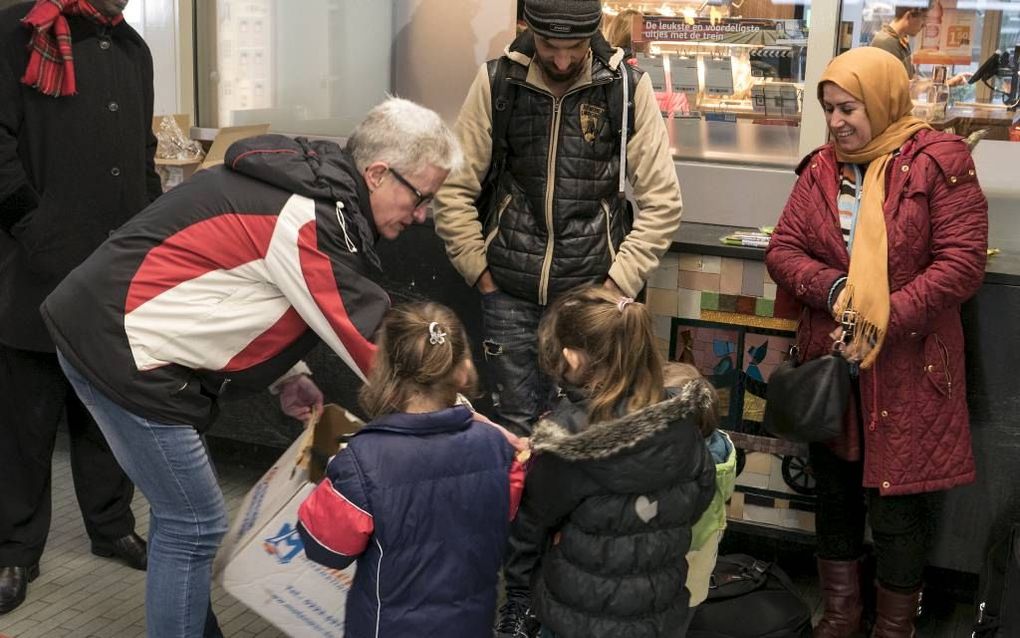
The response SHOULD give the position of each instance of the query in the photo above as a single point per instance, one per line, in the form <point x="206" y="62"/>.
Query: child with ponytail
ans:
<point x="422" y="496"/>
<point x="620" y="473"/>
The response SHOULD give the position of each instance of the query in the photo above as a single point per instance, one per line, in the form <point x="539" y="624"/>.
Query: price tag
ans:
<point x="719" y="76"/>
<point x="683" y="74"/>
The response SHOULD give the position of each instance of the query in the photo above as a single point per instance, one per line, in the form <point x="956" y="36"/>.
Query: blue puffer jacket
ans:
<point x="423" y="503"/>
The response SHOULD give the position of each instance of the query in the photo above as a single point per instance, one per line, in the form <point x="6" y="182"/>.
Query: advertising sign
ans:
<point x="947" y="38"/>
<point x="682" y="29"/>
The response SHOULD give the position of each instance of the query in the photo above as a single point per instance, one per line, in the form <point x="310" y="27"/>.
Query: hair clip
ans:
<point x="436" y="336"/>
<point x="623" y="302"/>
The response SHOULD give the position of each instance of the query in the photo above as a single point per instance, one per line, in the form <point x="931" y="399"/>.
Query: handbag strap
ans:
<point x="848" y="322"/>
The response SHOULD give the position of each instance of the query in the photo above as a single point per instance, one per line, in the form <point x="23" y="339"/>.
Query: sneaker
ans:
<point x="516" y="620"/>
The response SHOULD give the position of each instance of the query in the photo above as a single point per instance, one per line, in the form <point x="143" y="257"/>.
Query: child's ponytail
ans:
<point x="419" y="346"/>
<point x="616" y="335"/>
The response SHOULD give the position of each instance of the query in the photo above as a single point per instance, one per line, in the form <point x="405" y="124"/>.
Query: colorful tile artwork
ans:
<point x="737" y="360"/>
<point x="713" y="351"/>
<point x="719" y="318"/>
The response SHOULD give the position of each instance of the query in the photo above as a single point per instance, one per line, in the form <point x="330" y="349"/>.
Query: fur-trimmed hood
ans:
<point x="610" y="438"/>
<point x="622" y="496"/>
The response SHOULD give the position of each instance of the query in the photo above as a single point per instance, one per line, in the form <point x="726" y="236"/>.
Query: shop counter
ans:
<point x="964" y="120"/>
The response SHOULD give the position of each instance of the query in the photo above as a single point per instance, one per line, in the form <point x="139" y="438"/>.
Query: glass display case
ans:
<point x="729" y="75"/>
<point x="966" y="57"/>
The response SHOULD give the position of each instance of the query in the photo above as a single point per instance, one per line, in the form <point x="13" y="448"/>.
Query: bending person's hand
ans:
<point x="300" y="397"/>
<point x="858" y="350"/>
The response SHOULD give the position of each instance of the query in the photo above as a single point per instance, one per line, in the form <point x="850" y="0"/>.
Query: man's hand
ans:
<point x="485" y="283"/>
<point x="611" y="286"/>
<point x="300" y="397"/>
<point x="959" y="79"/>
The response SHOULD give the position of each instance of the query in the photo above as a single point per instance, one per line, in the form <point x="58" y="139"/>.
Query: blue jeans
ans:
<point x="520" y="391"/>
<point x="187" y="515"/>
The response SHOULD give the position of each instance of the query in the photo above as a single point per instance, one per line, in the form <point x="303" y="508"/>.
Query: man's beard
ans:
<point x="560" y="77"/>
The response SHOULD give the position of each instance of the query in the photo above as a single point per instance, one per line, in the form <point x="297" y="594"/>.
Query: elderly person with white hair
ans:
<point x="226" y="282"/>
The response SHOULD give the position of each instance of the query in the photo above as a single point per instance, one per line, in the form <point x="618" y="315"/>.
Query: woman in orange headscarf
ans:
<point x="886" y="227"/>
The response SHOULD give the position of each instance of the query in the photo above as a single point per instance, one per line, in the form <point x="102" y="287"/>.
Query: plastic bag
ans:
<point x="173" y="144"/>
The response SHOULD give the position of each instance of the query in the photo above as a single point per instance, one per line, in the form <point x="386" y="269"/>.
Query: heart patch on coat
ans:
<point x="646" y="509"/>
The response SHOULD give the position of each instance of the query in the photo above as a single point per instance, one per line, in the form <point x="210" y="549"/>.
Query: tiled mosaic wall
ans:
<point x="764" y="496"/>
<point x="712" y="288"/>
<point x="738" y="292"/>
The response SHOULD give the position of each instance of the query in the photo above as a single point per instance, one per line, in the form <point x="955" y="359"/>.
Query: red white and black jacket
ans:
<point x="228" y="279"/>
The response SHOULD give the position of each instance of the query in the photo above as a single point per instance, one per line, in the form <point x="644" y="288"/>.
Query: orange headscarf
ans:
<point x="879" y="80"/>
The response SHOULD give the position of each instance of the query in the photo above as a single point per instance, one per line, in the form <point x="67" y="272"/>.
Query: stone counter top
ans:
<point x="693" y="237"/>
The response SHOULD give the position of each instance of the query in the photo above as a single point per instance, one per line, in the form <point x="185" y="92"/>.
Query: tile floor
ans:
<point x="84" y="596"/>
<point x="80" y="595"/>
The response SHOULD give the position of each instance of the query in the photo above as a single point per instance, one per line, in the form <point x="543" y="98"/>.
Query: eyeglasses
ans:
<point x="422" y="198"/>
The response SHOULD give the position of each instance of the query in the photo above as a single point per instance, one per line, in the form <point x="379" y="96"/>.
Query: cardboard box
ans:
<point x="262" y="561"/>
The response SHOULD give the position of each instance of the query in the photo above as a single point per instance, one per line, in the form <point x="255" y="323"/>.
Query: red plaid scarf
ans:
<point x="50" y="63"/>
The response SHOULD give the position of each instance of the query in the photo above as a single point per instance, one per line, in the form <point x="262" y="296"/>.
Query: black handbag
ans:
<point x="805" y="402"/>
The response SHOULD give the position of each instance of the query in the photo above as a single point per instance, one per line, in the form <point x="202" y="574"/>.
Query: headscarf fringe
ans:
<point x="866" y="331"/>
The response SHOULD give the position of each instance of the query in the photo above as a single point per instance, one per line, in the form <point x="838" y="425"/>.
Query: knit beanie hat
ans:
<point x="568" y="19"/>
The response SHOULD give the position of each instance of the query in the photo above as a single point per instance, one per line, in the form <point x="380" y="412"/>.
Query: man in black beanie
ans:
<point x="563" y="31"/>
<point x="551" y="132"/>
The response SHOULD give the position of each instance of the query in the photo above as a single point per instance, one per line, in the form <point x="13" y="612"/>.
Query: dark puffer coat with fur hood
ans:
<point x="606" y="518"/>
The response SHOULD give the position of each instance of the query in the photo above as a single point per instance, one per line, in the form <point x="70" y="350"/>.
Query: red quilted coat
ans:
<point x="916" y="430"/>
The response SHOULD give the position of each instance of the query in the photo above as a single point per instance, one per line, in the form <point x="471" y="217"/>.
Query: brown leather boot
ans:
<point x="896" y="613"/>
<point x="840" y="584"/>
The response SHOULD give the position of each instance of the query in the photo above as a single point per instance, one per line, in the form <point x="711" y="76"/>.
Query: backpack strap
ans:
<point x="620" y="97"/>
<point x="502" y="102"/>
<point x="501" y="97"/>
<point x="621" y="109"/>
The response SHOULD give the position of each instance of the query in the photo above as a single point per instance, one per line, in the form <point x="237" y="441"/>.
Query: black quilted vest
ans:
<point x="558" y="219"/>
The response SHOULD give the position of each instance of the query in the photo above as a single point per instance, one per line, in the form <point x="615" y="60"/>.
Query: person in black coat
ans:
<point x="620" y="475"/>
<point x="76" y="161"/>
